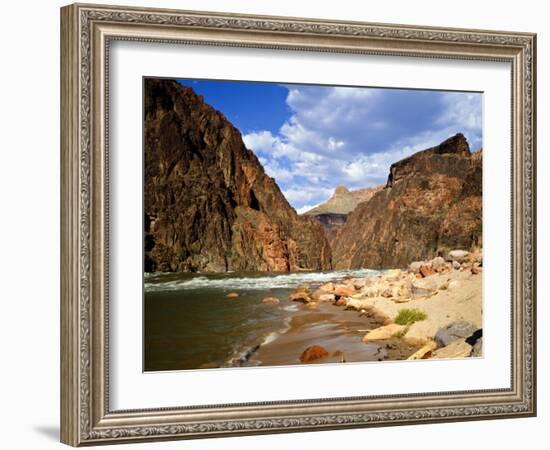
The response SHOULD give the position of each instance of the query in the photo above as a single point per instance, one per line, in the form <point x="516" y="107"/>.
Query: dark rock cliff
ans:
<point x="432" y="203"/>
<point x="331" y="223"/>
<point x="209" y="206"/>
<point x="333" y="213"/>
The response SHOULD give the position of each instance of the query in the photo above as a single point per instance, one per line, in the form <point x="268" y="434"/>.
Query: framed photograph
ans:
<point x="278" y="224"/>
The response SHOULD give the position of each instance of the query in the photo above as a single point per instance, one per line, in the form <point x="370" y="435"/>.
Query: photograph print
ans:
<point x="290" y="224"/>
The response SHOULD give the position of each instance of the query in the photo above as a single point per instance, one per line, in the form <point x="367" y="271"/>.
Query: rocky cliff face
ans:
<point x="209" y="206"/>
<point x="431" y="204"/>
<point x="331" y="224"/>
<point x="334" y="212"/>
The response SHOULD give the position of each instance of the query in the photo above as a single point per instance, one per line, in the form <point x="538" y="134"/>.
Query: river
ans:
<point x="190" y="323"/>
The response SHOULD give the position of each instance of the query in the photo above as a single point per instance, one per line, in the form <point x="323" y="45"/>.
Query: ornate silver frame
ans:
<point x="86" y="31"/>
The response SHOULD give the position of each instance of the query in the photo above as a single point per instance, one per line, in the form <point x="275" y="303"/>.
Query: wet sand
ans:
<point x="337" y="330"/>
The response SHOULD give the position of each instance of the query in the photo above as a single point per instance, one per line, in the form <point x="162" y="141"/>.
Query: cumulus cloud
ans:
<point x="350" y="136"/>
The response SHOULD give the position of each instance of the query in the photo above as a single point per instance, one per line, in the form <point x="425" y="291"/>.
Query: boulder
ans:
<point x="477" y="257"/>
<point x="328" y="287"/>
<point x="300" y="296"/>
<point x="438" y="263"/>
<point x="327" y="298"/>
<point x="456" y="265"/>
<point x="341" y="302"/>
<point x="317" y="294"/>
<point x="477" y="350"/>
<point x="426" y="271"/>
<point x="415" y="266"/>
<point x="232" y="295"/>
<point x="372" y="290"/>
<point x="392" y="274"/>
<point x="476" y="270"/>
<point x="270" y="300"/>
<point x="456" y="349"/>
<point x="384" y="332"/>
<point x="313" y="353"/>
<point x="344" y="291"/>
<point x="427" y="348"/>
<point x="359" y="283"/>
<point x="458" y="330"/>
<point x="458" y="255"/>
<point x="312" y="305"/>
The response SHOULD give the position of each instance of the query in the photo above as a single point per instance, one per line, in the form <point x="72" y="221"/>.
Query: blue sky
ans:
<point x="313" y="138"/>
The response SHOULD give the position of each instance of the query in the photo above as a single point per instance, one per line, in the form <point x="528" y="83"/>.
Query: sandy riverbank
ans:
<point x="340" y="331"/>
<point x="361" y="319"/>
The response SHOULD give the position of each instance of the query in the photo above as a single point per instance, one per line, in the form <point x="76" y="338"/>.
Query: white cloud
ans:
<point x="464" y="112"/>
<point x="350" y="136"/>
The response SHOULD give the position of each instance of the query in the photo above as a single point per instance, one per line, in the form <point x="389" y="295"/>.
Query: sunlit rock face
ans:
<point x="432" y="203"/>
<point x="208" y="204"/>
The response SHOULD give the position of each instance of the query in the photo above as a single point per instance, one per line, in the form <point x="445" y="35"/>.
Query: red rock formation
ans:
<point x="313" y="353"/>
<point x="431" y="204"/>
<point x="209" y="206"/>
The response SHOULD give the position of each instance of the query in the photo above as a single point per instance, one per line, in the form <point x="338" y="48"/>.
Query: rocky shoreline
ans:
<point x="430" y="310"/>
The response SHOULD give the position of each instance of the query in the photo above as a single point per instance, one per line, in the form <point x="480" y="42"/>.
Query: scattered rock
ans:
<point x="371" y="291"/>
<point x="438" y="263"/>
<point x="477" y="257"/>
<point x="312" y="305"/>
<point x="476" y="335"/>
<point x="313" y="353"/>
<point x="344" y="291"/>
<point x="341" y="302"/>
<point x="392" y="274"/>
<point x="455" y="331"/>
<point x="270" y="300"/>
<point x="327" y="298"/>
<point x="328" y="287"/>
<point x="359" y="283"/>
<point x="384" y="332"/>
<point x="458" y="255"/>
<point x="317" y="294"/>
<point x="456" y="265"/>
<point x="300" y="296"/>
<point x="476" y="270"/>
<point x="456" y="349"/>
<point x="426" y="271"/>
<point x="477" y="350"/>
<point x="427" y="348"/>
<point x="415" y="266"/>
<point x="232" y="295"/>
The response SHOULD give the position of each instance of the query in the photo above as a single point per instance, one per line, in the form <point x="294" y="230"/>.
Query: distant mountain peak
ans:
<point x="343" y="201"/>
<point x="340" y="190"/>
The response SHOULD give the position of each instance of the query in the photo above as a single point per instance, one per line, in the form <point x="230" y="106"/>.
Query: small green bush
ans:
<point x="409" y="316"/>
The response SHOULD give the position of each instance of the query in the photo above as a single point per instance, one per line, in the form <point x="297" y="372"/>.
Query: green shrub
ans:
<point x="409" y="316"/>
